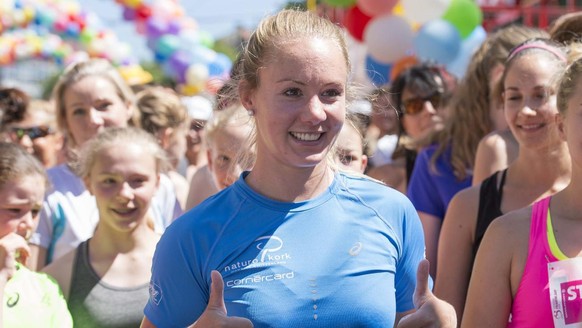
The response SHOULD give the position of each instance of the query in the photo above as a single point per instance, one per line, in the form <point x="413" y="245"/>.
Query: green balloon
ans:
<point x="465" y="15"/>
<point x="341" y="3"/>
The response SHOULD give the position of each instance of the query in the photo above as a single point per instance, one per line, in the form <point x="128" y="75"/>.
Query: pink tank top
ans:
<point x="531" y="305"/>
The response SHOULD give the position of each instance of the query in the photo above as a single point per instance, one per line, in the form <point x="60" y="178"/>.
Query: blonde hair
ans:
<point x="119" y="136"/>
<point x="45" y="107"/>
<point x="161" y="108"/>
<point x="80" y="70"/>
<point x="570" y="77"/>
<point x="16" y="163"/>
<point x="470" y="117"/>
<point x="284" y="27"/>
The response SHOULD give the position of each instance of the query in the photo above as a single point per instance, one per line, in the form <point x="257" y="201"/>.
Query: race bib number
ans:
<point x="565" y="279"/>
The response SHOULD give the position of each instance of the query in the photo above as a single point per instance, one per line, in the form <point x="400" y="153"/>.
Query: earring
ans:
<point x="251" y="112"/>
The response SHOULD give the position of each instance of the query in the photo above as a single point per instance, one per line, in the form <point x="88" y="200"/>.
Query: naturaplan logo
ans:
<point x="270" y="253"/>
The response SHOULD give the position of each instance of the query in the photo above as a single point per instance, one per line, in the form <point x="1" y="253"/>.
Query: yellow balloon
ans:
<point x="191" y="89"/>
<point x="398" y="10"/>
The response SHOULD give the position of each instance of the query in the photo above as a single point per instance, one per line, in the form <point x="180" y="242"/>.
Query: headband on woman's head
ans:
<point x="537" y="45"/>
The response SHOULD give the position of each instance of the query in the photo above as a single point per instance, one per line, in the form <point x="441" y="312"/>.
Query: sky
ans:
<point x="218" y="17"/>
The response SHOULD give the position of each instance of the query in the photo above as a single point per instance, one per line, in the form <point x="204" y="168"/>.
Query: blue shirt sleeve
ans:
<point x="422" y="189"/>
<point x="178" y="291"/>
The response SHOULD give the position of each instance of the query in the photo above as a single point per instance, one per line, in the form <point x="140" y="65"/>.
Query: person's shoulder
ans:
<point x="370" y="190"/>
<point x="514" y="224"/>
<point x="213" y="209"/>
<point x="63" y="179"/>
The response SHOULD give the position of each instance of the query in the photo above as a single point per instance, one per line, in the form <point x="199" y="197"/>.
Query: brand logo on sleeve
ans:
<point x="155" y="293"/>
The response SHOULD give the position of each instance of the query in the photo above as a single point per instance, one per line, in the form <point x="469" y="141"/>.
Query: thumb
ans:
<point x="216" y="300"/>
<point x="422" y="291"/>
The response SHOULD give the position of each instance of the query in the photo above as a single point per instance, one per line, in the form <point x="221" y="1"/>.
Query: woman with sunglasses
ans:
<point x="419" y="94"/>
<point x="35" y="130"/>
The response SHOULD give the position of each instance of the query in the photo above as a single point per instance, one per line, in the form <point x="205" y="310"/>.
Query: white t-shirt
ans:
<point x="69" y="214"/>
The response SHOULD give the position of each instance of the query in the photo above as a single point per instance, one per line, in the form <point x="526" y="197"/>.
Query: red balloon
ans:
<point x="143" y="12"/>
<point x="377" y="7"/>
<point x="355" y="22"/>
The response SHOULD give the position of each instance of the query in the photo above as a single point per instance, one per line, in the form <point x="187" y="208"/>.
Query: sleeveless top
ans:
<point x="93" y="303"/>
<point x="490" y="196"/>
<point x="531" y="304"/>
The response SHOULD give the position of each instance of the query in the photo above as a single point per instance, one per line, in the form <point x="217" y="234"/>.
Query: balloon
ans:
<point x="388" y="38"/>
<point x="167" y="44"/>
<point x="376" y="7"/>
<point x="196" y="74"/>
<point x="156" y="27"/>
<point x="437" y="40"/>
<point x="468" y="47"/>
<point x="179" y="62"/>
<point x="341" y="3"/>
<point x="378" y="73"/>
<point x="220" y="66"/>
<point x="129" y="13"/>
<point x="465" y="15"/>
<point x="355" y="22"/>
<point x="422" y="11"/>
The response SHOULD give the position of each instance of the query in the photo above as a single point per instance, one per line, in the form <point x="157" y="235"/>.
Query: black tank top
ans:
<point x="490" y="196"/>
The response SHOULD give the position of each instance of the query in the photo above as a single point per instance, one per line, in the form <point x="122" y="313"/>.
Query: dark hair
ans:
<point x="424" y="78"/>
<point x="13" y="104"/>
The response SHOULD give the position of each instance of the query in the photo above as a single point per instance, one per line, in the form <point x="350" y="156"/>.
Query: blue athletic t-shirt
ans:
<point x="347" y="258"/>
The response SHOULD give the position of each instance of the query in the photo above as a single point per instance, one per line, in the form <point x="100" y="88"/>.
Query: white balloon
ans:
<point x="196" y="74"/>
<point x="388" y="38"/>
<point x="422" y="11"/>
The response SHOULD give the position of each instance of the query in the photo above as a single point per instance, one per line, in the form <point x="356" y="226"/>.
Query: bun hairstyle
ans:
<point x="570" y="77"/>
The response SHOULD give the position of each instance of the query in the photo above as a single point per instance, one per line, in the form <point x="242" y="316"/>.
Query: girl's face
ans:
<point x="420" y="113"/>
<point x="224" y="154"/>
<point x="349" y="153"/>
<point x="299" y="103"/>
<point x="34" y="134"/>
<point x="92" y="104"/>
<point x="20" y="204"/>
<point x="123" y="179"/>
<point x="530" y="101"/>
<point x="570" y="124"/>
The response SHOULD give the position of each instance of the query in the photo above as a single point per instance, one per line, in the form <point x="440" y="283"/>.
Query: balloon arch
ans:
<point x="62" y="31"/>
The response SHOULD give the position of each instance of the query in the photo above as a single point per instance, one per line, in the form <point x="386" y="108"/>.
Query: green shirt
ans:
<point x="33" y="299"/>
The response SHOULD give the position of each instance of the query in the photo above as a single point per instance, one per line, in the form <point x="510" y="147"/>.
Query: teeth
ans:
<point x="531" y="126"/>
<point x="306" y="136"/>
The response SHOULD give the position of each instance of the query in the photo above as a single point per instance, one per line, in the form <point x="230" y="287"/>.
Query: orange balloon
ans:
<point x="402" y="64"/>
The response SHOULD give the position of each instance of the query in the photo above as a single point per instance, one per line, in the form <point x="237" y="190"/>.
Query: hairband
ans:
<point x="537" y="45"/>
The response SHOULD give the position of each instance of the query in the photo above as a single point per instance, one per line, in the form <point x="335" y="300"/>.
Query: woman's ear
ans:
<point x="245" y="92"/>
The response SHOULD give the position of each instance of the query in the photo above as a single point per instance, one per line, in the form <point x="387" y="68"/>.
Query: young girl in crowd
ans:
<point x="530" y="260"/>
<point x="29" y="299"/>
<point x="163" y="115"/>
<point x="419" y="95"/>
<point x="228" y="152"/>
<point x="199" y="110"/>
<point x="89" y="97"/>
<point x="350" y="146"/>
<point x="35" y="129"/>
<point x="445" y="167"/>
<point x="297" y="243"/>
<point x="105" y="280"/>
<point x="542" y="167"/>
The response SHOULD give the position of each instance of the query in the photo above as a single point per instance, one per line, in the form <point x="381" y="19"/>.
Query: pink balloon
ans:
<point x="376" y="7"/>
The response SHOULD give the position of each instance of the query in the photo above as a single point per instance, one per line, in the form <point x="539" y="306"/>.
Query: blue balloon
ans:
<point x="220" y="66"/>
<point x="378" y="73"/>
<point x="468" y="47"/>
<point x="437" y="40"/>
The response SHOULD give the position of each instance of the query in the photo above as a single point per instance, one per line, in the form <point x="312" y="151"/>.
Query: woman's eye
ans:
<point x="103" y="106"/>
<point x="294" y="92"/>
<point x="79" y="111"/>
<point x="332" y="93"/>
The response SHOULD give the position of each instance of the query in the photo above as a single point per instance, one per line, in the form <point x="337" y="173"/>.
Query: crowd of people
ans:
<point x="294" y="198"/>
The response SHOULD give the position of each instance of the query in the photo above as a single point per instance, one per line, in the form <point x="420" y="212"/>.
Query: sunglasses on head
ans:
<point x="32" y="132"/>
<point x="414" y="106"/>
